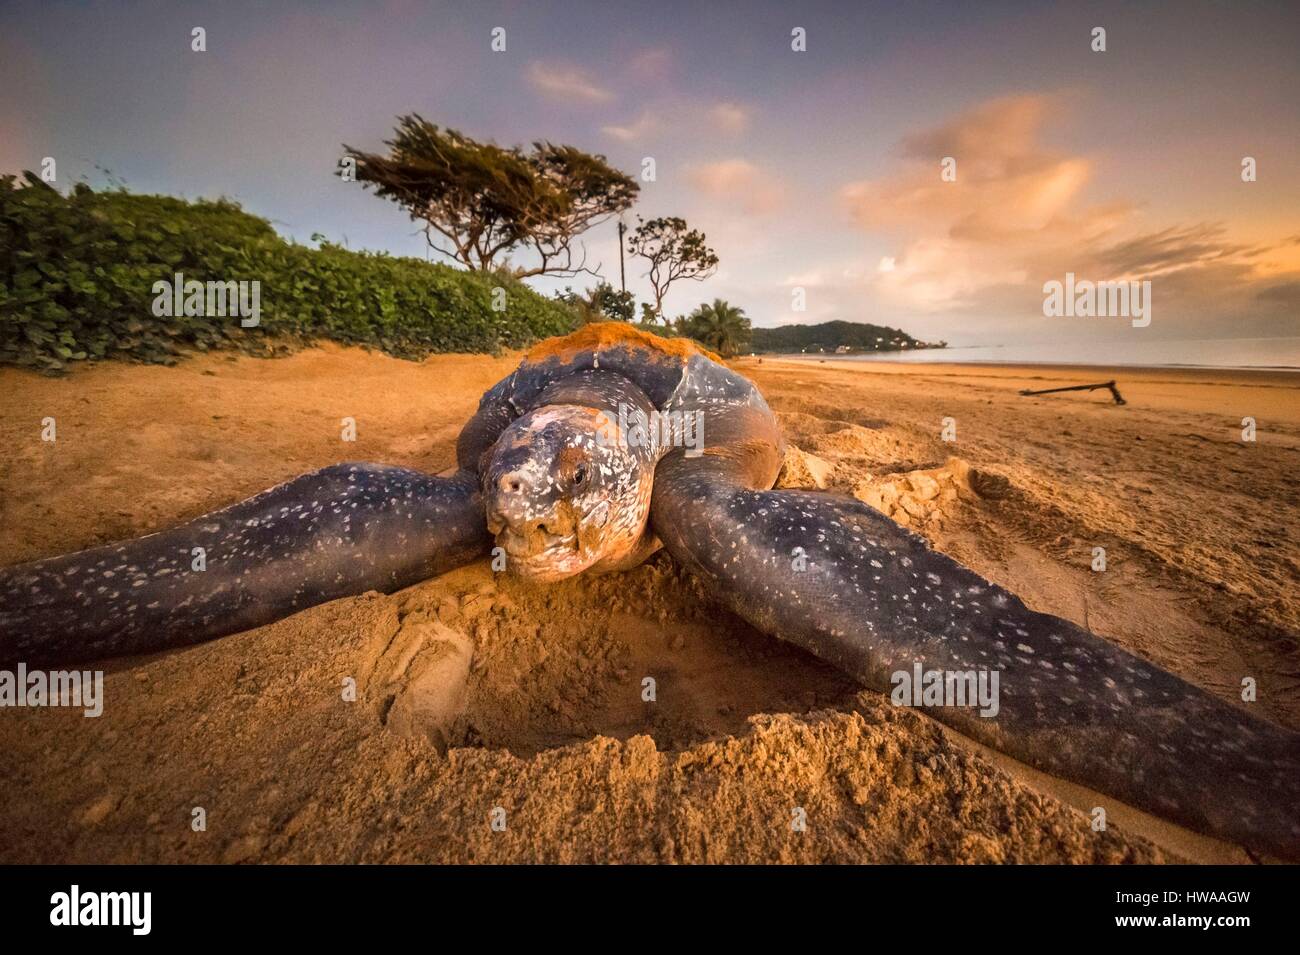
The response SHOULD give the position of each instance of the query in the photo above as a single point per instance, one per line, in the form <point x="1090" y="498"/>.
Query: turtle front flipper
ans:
<point x="841" y="580"/>
<point x="343" y="530"/>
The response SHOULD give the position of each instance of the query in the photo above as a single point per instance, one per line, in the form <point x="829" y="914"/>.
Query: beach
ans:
<point x="483" y="699"/>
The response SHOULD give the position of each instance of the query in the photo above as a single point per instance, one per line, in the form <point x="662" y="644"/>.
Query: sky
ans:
<point x="817" y="170"/>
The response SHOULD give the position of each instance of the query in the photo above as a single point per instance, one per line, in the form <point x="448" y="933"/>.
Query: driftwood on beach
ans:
<point x="1114" y="391"/>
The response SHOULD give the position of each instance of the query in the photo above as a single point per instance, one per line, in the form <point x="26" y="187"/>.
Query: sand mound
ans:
<point x="929" y="497"/>
<point x="803" y="470"/>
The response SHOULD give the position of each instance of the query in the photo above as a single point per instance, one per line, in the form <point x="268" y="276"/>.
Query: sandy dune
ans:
<point x="478" y="693"/>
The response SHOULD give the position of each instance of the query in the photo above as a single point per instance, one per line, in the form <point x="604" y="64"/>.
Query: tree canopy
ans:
<point x="485" y="201"/>
<point x="674" y="252"/>
<point x="604" y="303"/>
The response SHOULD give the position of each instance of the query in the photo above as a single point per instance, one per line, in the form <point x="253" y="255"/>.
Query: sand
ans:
<point x="482" y="700"/>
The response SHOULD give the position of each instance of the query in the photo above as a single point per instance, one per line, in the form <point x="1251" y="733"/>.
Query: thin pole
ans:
<point x="622" y="279"/>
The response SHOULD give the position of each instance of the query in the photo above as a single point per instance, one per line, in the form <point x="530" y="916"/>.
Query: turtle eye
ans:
<point x="579" y="475"/>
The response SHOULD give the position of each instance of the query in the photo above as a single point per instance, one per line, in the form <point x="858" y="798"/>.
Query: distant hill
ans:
<point x="829" y="336"/>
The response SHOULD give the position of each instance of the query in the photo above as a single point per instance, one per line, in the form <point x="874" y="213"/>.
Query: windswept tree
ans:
<point x="719" y="326"/>
<point x="674" y="252"/>
<point x="480" y="202"/>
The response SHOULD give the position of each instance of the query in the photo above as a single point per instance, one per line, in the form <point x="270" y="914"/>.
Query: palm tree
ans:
<point x="719" y="326"/>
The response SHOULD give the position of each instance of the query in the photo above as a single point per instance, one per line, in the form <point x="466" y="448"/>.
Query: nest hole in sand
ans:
<point x="473" y="659"/>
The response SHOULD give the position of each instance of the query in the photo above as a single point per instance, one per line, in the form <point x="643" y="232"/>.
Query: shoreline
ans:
<point x="1172" y="366"/>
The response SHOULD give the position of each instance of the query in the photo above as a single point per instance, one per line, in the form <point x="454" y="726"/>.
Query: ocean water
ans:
<point x="1262" y="353"/>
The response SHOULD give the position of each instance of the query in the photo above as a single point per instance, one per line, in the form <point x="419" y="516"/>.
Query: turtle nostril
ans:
<point x="513" y="482"/>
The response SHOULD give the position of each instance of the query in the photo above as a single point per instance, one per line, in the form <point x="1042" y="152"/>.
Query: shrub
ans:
<point x="77" y="275"/>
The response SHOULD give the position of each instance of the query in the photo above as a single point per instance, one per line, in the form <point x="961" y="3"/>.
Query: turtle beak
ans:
<point x="529" y="500"/>
<point x="512" y="504"/>
<point x="510" y="501"/>
<point x="529" y="524"/>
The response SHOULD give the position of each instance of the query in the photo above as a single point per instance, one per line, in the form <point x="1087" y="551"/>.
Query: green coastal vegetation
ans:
<point x="78" y="275"/>
<point x="107" y="274"/>
<point x="836" y="337"/>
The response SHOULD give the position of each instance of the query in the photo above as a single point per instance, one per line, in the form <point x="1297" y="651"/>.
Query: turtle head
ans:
<point x="564" y="494"/>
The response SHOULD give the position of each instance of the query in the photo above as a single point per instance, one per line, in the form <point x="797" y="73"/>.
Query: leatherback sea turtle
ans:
<point x="601" y="446"/>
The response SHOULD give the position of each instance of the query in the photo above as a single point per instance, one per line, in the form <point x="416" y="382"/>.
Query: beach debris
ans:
<point x="1114" y="391"/>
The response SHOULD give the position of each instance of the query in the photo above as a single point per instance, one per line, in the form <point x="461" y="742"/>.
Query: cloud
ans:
<point x="731" y="117"/>
<point x="728" y="118"/>
<point x="1016" y="216"/>
<point x="993" y="133"/>
<point x="1172" y="248"/>
<point x="632" y="132"/>
<point x="565" y="81"/>
<point x="1285" y="295"/>
<point x="651" y="64"/>
<point x="1005" y="183"/>
<point x="739" y="182"/>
